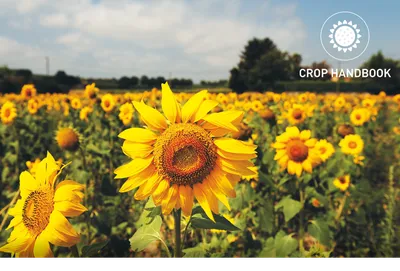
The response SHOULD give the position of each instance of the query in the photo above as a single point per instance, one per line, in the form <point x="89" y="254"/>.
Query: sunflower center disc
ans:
<point x="185" y="154"/>
<point x="297" y="150"/>
<point x="7" y="112"/>
<point x="352" y="145"/>
<point x="297" y="113"/>
<point x="37" y="209"/>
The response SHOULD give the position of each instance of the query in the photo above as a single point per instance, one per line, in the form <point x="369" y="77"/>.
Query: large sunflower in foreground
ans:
<point x="39" y="216"/>
<point x="295" y="151"/>
<point x="184" y="156"/>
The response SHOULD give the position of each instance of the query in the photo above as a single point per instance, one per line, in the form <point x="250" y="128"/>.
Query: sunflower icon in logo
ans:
<point x="345" y="36"/>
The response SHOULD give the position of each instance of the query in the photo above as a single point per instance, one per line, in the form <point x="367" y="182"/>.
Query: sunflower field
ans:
<point x="207" y="174"/>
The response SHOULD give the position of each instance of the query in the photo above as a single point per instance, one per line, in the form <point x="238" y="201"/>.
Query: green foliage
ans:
<point x="290" y="207"/>
<point x="146" y="234"/>
<point x="200" y="220"/>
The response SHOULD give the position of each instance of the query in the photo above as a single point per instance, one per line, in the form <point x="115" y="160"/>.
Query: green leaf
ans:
<point x="290" y="207"/>
<point x="146" y="234"/>
<point x="269" y="250"/>
<point x="285" y="245"/>
<point x="201" y="221"/>
<point x="320" y="231"/>
<point x="266" y="216"/>
<point x="93" y="249"/>
<point x="92" y="148"/>
<point x="194" y="252"/>
<point x="145" y="217"/>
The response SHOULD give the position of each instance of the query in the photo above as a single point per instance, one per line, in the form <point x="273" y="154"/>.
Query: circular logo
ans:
<point x="344" y="36"/>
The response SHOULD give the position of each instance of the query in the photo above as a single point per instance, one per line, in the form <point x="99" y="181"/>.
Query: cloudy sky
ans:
<point x="191" y="39"/>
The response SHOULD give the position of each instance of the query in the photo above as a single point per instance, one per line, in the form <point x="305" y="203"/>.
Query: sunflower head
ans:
<point x="297" y="114"/>
<point x="68" y="139"/>
<point x="91" y="91"/>
<point x="295" y="151"/>
<point x="352" y="144"/>
<point x="342" y="182"/>
<point x="33" y="106"/>
<point x="107" y="103"/>
<point x="8" y="113"/>
<point x="325" y="149"/>
<point x="184" y="155"/>
<point x="267" y="114"/>
<point x="76" y="103"/>
<point x="39" y="215"/>
<point x="359" y="116"/>
<point x="345" y="129"/>
<point x="28" y="91"/>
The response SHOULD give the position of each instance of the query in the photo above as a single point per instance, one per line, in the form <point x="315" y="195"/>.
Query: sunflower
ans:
<point x="359" y="116"/>
<point x="33" y="106"/>
<point x="83" y="114"/>
<point x="256" y="106"/>
<point x="107" y="103"/>
<point x="33" y="166"/>
<point x="91" y="91"/>
<point x="126" y="113"/>
<point x="184" y="156"/>
<point x="297" y="114"/>
<point x="28" y="91"/>
<point x="8" y="112"/>
<point x="76" y="103"/>
<point x="342" y="182"/>
<point x="325" y="149"/>
<point x="295" y="151"/>
<point x="352" y="144"/>
<point x="68" y="138"/>
<point x="40" y="214"/>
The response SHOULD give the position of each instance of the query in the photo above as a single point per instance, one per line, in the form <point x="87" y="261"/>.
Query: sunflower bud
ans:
<point x="345" y="129"/>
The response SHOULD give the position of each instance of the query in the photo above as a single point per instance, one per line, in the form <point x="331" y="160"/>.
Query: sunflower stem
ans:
<point x="301" y="216"/>
<point x="75" y="251"/>
<point x="178" y="245"/>
<point x="86" y="194"/>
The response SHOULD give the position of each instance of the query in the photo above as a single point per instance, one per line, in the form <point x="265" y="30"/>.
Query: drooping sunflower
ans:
<point x="84" y="113"/>
<point x="28" y="91"/>
<point x="325" y="149"/>
<point x="352" y="144"/>
<point x="68" y="138"/>
<point x="295" y="151"/>
<point x="184" y="155"/>
<point x="40" y="214"/>
<point x="342" y="182"/>
<point x="91" y="91"/>
<point x="8" y="112"/>
<point x="359" y="116"/>
<point x="107" y="103"/>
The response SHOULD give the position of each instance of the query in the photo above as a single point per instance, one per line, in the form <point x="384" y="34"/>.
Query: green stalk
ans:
<point x="301" y="216"/>
<point x="74" y="251"/>
<point x="178" y="245"/>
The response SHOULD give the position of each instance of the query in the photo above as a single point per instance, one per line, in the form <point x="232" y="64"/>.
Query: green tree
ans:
<point x="379" y="61"/>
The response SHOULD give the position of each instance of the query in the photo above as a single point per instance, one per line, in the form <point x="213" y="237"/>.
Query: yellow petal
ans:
<point x="234" y="146"/>
<point x="311" y="142"/>
<point x="202" y="200"/>
<point x="299" y="169"/>
<point x="218" y="193"/>
<point x="235" y="156"/>
<point x="136" y="150"/>
<point x="169" y="202"/>
<point x="170" y="106"/>
<point x="205" y="107"/>
<point x="218" y="179"/>
<point x="138" y="135"/>
<point x="279" y="154"/>
<point x="138" y="179"/>
<point x="160" y="192"/>
<point x="150" y="116"/>
<point x="222" y="120"/>
<point x="291" y="167"/>
<point x="133" y="167"/>
<point x="192" y="105"/>
<point x="69" y="209"/>
<point x="211" y="198"/>
<point x="307" y="166"/>
<point x="42" y="247"/>
<point x="304" y="135"/>
<point x="14" y="222"/>
<point x="186" y="199"/>
<point x="292" y="131"/>
<point x="60" y="232"/>
<point x="147" y="188"/>
<point x="27" y="183"/>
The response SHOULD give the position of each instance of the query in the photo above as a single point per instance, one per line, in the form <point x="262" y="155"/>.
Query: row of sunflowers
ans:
<point x="162" y="174"/>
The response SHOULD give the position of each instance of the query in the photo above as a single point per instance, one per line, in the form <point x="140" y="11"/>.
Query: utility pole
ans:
<point x="338" y="81"/>
<point x="47" y="65"/>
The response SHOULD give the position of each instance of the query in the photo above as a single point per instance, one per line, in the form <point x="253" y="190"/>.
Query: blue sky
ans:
<point x="191" y="39"/>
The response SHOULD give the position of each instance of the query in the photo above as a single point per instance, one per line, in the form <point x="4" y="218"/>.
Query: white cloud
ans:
<point x="26" y="6"/>
<point x="55" y="20"/>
